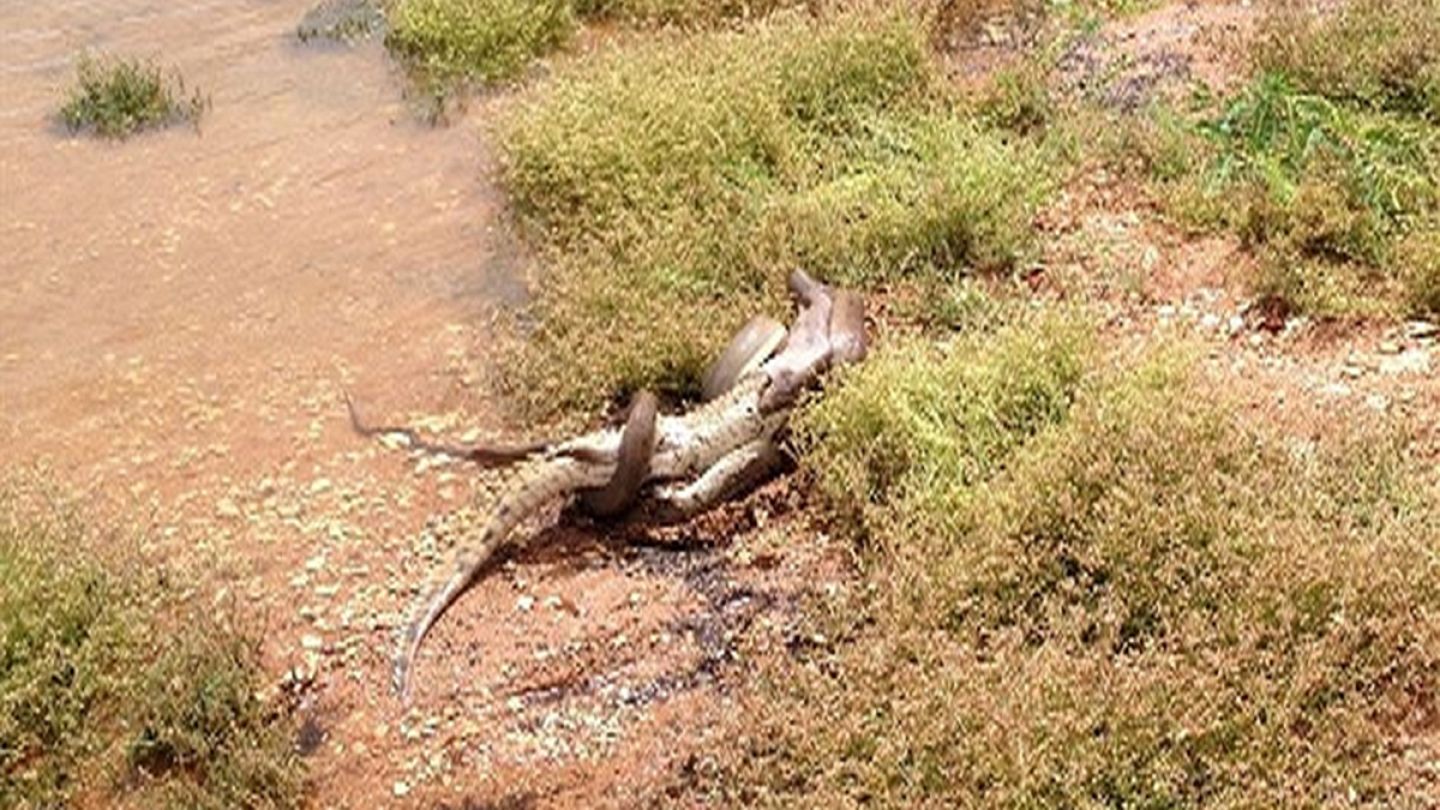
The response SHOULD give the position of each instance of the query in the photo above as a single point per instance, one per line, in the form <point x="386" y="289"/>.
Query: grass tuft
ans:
<point x="111" y="687"/>
<point x="675" y="184"/>
<point x="1018" y="98"/>
<point x="445" y="43"/>
<point x="120" y="97"/>
<point x="1377" y="54"/>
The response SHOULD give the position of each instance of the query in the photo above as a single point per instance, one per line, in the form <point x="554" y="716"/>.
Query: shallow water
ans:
<point x="312" y="226"/>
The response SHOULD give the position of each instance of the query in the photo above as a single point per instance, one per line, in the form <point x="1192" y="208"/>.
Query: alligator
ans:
<point x="678" y="465"/>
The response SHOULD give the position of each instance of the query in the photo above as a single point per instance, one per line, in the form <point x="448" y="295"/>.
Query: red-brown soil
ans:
<point x="181" y="314"/>
<point x="182" y="311"/>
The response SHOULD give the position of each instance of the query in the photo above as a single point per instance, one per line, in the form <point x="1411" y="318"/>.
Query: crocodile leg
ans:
<point x="734" y="474"/>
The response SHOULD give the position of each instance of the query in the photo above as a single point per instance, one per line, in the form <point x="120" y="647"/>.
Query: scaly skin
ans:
<point x="536" y="483"/>
<point x="727" y="442"/>
<point x="685" y="445"/>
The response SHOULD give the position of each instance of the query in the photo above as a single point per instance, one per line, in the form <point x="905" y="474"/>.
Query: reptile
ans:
<point x="632" y="461"/>
<point x="618" y="494"/>
<point x="696" y="459"/>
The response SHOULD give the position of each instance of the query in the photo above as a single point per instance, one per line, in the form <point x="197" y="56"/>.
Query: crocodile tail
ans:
<point x="533" y="486"/>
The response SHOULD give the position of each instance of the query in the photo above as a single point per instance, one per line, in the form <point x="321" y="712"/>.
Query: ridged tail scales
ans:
<point x="533" y="484"/>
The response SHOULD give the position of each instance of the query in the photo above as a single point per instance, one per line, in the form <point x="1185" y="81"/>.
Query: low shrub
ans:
<point x="920" y="424"/>
<point x="118" y="97"/>
<point x="112" y="688"/>
<point x="450" y="42"/>
<point x="673" y="186"/>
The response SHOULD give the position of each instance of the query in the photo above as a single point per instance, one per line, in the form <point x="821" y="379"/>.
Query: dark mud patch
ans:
<point x="342" y="21"/>
<point x="1096" y="68"/>
<point x="726" y="599"/>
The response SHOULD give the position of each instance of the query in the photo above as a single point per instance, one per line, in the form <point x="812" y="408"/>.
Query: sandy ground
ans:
<point x="181" y="313"/>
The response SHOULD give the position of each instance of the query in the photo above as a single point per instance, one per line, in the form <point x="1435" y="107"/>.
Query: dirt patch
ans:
<point x="1161" y="54"/>
<point x="1124" y="64"/>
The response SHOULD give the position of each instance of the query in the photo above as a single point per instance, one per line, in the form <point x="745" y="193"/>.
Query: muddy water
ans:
<point x="178" y="316"/>
<point x="184" y="298"/>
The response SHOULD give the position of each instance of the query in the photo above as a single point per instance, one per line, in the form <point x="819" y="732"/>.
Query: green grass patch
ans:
<point x="1327" y="163"/>
<point x="445" y="43"/>
<point x="1092" y="588"/>
<point x="673" y="185"/>
<point x="1376" y="54"/>
<point x="1324" y="191"/>
<point x="449" y="46"/>
<point x="118" y="97"/>
<point x="115" y="690"/>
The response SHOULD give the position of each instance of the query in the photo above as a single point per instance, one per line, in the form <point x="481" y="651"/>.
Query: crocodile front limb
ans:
<point x="737" y="472"/>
